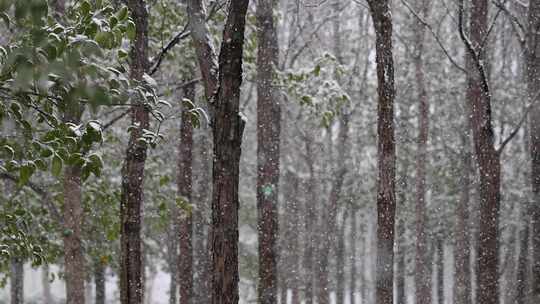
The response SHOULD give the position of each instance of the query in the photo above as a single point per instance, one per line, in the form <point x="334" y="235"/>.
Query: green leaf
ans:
<point x="26" y="172"/>
<point x="130" y="30"/>
<point x="122" y="14"/>
<point x="56" y="165"/>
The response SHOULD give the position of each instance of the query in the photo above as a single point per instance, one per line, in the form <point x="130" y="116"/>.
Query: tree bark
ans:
<point x="440" y="270"/>
<point x="16" y="281"/>
<point x="340" y="261"/>
<point x="422" y="276"/>
<point x="184" y="184"/>
<point x="309" y="222"/>
<point x="533" y="86"/>
<point x="462" y="255"/>
<point x="99" y="281"/>
<point x="487" y="156"/>
<point x="228" y="127"/>
<point x="46" y="284"/>
<point x="386" y="152"/>
<point x="352" y="242"/>
<point x="132" y="269"/>
<point x="73" y="251"/>
<point x="268" y="152"/>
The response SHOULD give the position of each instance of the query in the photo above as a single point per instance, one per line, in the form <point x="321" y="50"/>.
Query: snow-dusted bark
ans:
<point x="268" y="151"/>
<point x="228" y="127"/>
<point x="131" y="265"/>
<point x="386" y="152"/>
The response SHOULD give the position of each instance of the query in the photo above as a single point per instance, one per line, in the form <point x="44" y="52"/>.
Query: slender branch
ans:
<point x="114" y="120"/>
<point x="434" y="34"/>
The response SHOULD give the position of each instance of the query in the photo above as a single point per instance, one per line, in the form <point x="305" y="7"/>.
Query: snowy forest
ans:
<point x="270" y="151"/>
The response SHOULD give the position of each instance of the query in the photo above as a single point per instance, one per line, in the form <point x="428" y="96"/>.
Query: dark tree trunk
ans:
<point x="462" y="252"/>
<point x="422" y="274"/>
<point x="487" y="156"/>
<point x="131" y="266"/>
<point x="521" y="285"/>
<point x="99" y="282"/>
<point x="184" y="184"/>
<point x="533" y="84"/>
<point x="268" y="147"/>
<point x="309" y="223"/>
<point x="386" y="152"/>
<point x="228" y="127"/>
<point x="16" y="281"/>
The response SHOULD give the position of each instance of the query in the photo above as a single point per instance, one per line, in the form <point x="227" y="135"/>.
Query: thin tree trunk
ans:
<point x="131" y="266"/>
<point x="16" y="281"/>
<point x="309" y="223"/>
<point x="46" y="284"/>
<point x="330" y="214"/>
<point x="99" y="281"/>
<point x="268" y="152"/>
<point x="184" y="174"/>
<point x="401" y="271"/>
<point x="533" y="86"/>
<point x="440" y="270"/>
<point x="353" y="257"/>
<point x="228" y="129"/>
<point x="340" y="261"/>
<point x="386" y="152"/>
<point x="523" y="257"/>
<point x="422" y="273"/>
<point x="462" y="256"/>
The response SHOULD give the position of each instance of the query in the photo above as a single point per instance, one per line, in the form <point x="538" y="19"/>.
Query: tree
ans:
<point x="268" y="151"/>
<point x="487" y="156"/>
<point x="422" y="274"/>
<point x="132" y="270"/>
<point x="228" y="127"/>
<point x="184" y="174"/>
<point x="533" y="84"/>
<point x="386" y="152"/>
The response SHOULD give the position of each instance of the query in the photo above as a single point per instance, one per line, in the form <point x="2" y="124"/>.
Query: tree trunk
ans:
<point x="184" y="183"/>
<point x="99" y="281"/>
<point x="487" y="156"/>
<point x="228" y="127"/>
<point x="353" y="257"/>
<point x="523" y="257"/>
<point x="440" y="270"/>
<point x="386" y="152"/>
<point x="46" y="284"/>
<point x="340" y="262"/>
<point x="401" y="271"/>
<point x="131" y="266"/>
<point x="73" y="252"/>
<point x="268" y="152"/>
<point x="328" y="239"/>
<point x="462" y="253"/>
<point x="16" y="281"/>
<point x="309" y="223"/>
<point x="533" y="85"/>
<point x="422" y="276"/>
